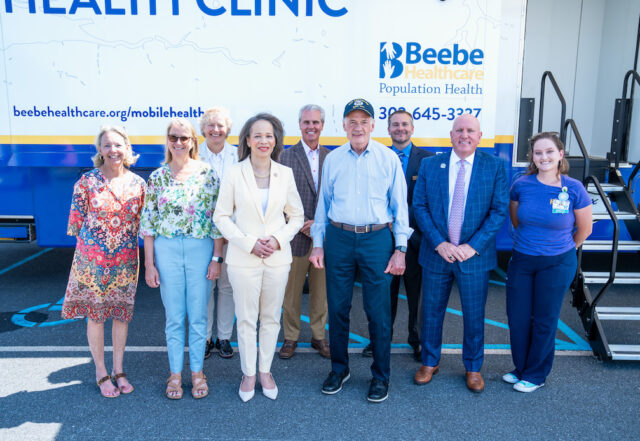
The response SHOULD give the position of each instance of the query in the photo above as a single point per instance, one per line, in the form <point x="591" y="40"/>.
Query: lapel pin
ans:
<point x="443" y="165"/>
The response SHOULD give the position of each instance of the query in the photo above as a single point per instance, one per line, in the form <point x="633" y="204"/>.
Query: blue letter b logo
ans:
<point x="390" y="65"/>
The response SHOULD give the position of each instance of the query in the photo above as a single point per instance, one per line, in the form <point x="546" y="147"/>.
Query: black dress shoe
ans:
<point x="224" y="348"/>
<point x="378" y="391"/>
<point x="208" y="347"/>
<point x="333" y="383"/>
<point x="417" y="353"/>
<point x="367" y="351"/>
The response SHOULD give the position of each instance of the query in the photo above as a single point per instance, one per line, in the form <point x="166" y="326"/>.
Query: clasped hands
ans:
<point x="452" y="253"/>
<point x="265" y="247"/>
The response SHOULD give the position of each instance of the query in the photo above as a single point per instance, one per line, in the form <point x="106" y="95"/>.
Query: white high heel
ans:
<point x="245" y="396"/>
<point x="270" y="393"/>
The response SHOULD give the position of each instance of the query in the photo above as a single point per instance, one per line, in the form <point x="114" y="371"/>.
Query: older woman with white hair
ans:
<point x="215" y="125"/>
<point x="105" y="218"/>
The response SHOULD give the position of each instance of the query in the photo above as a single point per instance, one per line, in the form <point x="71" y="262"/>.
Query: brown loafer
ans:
<point x="475" y="383"/>
<point x="322" y="346"/>
<point x="425" y="374"/>
<point x="288" y="349"/>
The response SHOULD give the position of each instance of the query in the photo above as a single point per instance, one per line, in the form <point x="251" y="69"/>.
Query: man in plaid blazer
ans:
<point x="306" y="158"/>
<point x="459" y="213"/>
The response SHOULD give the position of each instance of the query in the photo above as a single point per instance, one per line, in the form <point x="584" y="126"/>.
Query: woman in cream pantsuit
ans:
<point x="258" y="211"/>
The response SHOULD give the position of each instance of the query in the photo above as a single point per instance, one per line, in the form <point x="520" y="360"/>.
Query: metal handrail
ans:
<point x="587" y="162"/>
<point x="563" y="103"/>
<point x="633" y="175"/>
<point x="625" y="127"/>
<point x="614" y="249"/>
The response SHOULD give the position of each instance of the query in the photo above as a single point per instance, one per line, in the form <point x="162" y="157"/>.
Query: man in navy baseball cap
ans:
<point x="361" y="223"/>
<point x="358" y="104"/>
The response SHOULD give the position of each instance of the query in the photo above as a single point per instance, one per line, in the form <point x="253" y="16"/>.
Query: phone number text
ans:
<point x="431" y="113"/>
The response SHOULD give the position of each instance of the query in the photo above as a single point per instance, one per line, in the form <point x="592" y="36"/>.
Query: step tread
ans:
<point x="606" y="273"/>
<point x="606" y="186"/>
<point x="602" y="277"/>
<point x="624" y="245"/>
<point x="618" y="309"/>
<point x="625" y="348"/>
<point x="625" y="352"/>
<point x="622" y="215"/>
<point x="619" y="313"/>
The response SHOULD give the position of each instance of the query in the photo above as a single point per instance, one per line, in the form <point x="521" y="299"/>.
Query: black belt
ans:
<point x="360" y="229"/>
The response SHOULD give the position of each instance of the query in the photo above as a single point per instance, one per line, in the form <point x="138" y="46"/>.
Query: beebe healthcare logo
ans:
<point x="396" y="61"/>
<point x="408" y="69"/>
<point x="390" y="65"/>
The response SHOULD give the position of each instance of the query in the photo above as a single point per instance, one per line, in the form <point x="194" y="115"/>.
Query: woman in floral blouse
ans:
<point x="182" y="249"/>
<point x="105" y="217"/>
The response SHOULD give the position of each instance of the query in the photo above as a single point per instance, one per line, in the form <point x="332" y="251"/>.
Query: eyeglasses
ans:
<point x="183" y="139"/>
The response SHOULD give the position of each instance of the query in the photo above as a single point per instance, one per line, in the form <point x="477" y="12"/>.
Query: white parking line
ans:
<point x="299" y="349"/>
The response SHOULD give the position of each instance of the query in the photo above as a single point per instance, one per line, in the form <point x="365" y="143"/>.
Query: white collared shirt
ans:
<point x="313" y="156"/>
<point x="454" y="167"/>
<point x="219" y="162"/>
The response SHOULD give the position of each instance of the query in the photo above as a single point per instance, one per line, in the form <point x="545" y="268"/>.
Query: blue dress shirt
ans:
<point x="364" y="189"/>
<point x="405" y="157"/>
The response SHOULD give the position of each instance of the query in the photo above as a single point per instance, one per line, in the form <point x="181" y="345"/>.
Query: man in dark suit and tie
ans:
<point x="400" y="127"/>
<point x="306" y="159"/>
<point x="460" y="202"/>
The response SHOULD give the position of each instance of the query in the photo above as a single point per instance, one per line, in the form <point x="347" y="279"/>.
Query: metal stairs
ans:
<point x="595" y="318"/>
<point x="612" y="201"/>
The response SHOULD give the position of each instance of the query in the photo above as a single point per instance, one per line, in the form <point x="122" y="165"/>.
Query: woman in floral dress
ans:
<point x="183" y="249"/>
<point x="105" y="217"/>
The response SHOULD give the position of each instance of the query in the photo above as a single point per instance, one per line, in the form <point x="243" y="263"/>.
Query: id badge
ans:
<point x="561" y="205"/>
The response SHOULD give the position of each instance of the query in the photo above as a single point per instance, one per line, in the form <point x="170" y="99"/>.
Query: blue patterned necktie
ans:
<point x="402" y="157"/>
<point x="456" y="215"/>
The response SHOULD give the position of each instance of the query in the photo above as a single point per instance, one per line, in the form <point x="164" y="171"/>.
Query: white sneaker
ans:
<point x="526" y="387"/>
<point x="510" y="378"/>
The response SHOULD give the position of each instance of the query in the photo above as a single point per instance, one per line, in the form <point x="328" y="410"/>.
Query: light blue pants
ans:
<point x="182" y="263"/>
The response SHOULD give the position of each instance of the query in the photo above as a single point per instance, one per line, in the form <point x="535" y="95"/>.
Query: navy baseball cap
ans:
<point x="358" y="104"/>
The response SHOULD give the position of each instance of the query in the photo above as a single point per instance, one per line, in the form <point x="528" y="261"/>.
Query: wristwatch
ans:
<point x="217" y="259"/>
<point x="401" y="249"/>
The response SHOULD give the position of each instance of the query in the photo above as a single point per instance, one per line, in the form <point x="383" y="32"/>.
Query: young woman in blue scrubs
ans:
<point x="551" y="217"/>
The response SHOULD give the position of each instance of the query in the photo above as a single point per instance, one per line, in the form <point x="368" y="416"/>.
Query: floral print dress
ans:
<point x="174" y="208"/>
<point x="104" y="272"/>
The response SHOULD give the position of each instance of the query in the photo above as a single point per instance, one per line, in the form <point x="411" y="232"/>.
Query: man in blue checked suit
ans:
<point x="460" y="202"/>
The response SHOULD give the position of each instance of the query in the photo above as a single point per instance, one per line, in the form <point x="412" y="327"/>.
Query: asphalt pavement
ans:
<point x="47" y="387"/>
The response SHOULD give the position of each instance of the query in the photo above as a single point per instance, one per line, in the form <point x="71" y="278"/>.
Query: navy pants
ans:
<point x="536" y="286"/>
<point x="436" y="288"/>
<point x="412" y="278"/>
<point x="345" y="253"/>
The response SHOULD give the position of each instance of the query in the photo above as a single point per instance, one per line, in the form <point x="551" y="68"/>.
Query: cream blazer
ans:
<point x="238" y="214"/>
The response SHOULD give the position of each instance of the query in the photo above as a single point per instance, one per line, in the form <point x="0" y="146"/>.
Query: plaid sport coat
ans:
<point x="296" y="158"/>
<point x="485" y="210"/>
